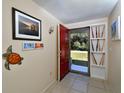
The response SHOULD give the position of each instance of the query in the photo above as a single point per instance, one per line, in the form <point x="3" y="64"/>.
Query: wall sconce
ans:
<point x="51" y="29"/>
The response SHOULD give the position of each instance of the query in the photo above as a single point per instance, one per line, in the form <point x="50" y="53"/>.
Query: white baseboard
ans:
<point x="53" y="83"/>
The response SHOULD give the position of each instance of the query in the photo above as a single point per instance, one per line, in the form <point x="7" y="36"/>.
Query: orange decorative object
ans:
<point x="11" y="58"/>
<point x="38" y="45"/>
<point x="14" y="58"/>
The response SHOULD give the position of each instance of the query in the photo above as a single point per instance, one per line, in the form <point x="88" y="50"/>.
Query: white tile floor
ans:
<point x="75" y="83"/>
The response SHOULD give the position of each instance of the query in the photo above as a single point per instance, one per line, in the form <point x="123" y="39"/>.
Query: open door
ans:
<point x="63" y="41"/>
<point x="80" y="50"/>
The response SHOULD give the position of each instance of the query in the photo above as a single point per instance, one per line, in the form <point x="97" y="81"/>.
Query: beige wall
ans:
<point x="114" y="71"/>
<point x="38" y="68"/>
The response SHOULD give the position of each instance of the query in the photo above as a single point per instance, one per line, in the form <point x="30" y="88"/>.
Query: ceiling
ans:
<point x="71" y="11"/>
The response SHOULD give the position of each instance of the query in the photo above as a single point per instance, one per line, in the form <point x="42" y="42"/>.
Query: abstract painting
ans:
<point x="115" y="29"/>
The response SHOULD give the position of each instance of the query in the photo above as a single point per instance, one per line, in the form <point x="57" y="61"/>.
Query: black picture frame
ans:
<point x="25" y="26"/>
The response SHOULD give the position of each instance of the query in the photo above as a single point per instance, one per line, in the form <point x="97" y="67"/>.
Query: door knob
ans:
<point x="60" y="52"/>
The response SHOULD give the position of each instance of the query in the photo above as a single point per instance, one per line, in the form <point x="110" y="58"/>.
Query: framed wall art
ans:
<point x="28" y="45"/>
<point x="116" y="29"/>
<point x="38" y="45"/>
<point x="25" y="26"/>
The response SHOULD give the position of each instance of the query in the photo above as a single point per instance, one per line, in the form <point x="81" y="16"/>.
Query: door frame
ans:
<point x="58" y="53"/>
<point x="88" y="52"/>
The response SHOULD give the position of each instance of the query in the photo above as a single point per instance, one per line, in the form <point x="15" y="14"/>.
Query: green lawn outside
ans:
<point x="79" y="57"/>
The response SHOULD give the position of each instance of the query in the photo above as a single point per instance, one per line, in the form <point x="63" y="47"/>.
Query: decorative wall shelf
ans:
<point x="99" y="66"/>
<point x="98" y="50"/>
<point x="97" y="38"/>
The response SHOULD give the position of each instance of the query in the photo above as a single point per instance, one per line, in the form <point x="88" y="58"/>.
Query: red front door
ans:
<point x="64" y="51"/>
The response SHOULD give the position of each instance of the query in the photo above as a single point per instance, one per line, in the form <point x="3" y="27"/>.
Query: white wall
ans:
<point x="38" y="68"/>
<point x="96" y="72"/>
<point x="114" y="55"/>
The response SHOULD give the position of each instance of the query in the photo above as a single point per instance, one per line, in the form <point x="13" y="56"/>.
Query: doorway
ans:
<point x="79" y="43"/>
<point x="63" y="57"/>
